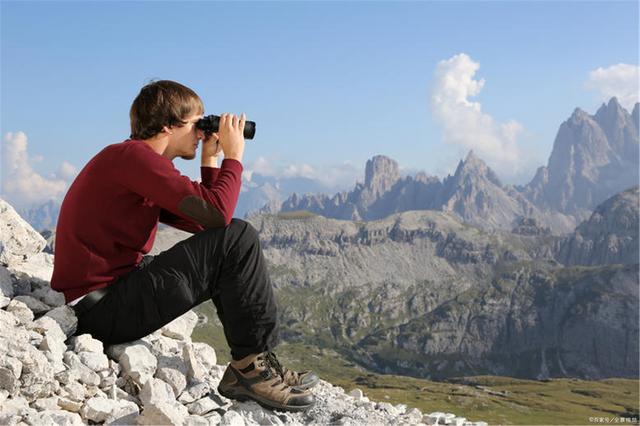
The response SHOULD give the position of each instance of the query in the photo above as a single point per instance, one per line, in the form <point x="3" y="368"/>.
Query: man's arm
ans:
<point x="154" y="177"/>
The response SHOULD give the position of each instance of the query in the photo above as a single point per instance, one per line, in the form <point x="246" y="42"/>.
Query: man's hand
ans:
<point x="211" y="149"/>
<point x="231" y="134"/>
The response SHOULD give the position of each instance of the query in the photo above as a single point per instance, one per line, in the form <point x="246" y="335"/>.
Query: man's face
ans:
<point x="185" y="139"/>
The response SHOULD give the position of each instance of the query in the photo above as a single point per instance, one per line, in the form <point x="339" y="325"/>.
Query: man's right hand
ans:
<point x="231" y="135"/>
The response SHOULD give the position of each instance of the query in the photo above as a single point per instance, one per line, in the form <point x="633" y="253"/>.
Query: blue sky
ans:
<point x="330" y="84"/>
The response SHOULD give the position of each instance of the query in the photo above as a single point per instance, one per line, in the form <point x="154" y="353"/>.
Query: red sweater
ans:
<point x="109" y="216"/>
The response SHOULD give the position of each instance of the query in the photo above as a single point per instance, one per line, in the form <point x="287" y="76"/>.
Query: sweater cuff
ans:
<point x="231" y="164"/>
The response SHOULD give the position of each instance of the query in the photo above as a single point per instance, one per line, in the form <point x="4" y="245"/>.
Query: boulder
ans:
<point x="18" y="240"/>
<point x="138" y="363"/>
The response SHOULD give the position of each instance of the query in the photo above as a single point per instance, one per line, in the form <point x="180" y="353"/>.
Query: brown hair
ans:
<point x="162" y="103"/>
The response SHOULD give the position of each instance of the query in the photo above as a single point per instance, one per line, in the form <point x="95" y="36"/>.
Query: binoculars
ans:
<point x="211" y="123"/>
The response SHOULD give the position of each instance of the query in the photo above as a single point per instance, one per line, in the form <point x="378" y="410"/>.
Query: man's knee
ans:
<point x="243" y="231"/>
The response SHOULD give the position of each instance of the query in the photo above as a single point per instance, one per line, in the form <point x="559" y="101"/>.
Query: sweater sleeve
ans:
<point x="208" y="177"/>
<point x="154" y="177"/>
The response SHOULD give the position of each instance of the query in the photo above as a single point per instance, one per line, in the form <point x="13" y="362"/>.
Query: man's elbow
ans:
<point x="204" y="213"/>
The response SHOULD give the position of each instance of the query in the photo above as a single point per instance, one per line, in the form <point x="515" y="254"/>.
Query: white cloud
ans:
<point x="620" y="80"/>
<point x="21" y="185"/>
<point x="66" y="171"/>
<point x="332" y="176"/>
<point x="465" y="125"/>
<point x="300" y="170"/>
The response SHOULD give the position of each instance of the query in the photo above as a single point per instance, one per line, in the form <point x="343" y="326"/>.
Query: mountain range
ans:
<point x="593" y="158"/>
<point x="421" y="293"/>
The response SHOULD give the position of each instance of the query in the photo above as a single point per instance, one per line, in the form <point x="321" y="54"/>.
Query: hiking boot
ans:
<point x="301" y="380"/>
<point x="263" y="380"/>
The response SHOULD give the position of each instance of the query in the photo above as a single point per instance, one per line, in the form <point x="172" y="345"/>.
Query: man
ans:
<point x="108" y="222"/>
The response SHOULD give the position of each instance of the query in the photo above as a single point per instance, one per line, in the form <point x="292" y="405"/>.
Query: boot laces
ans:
<point x="272" y="362"/>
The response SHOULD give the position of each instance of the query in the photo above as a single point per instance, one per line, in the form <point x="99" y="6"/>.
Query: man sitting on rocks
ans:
<point x="108" y="221"/>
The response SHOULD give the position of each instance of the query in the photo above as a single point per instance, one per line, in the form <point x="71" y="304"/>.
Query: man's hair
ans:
<point x="162" y="103"/>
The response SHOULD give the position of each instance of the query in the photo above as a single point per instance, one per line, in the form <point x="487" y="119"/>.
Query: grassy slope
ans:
<point x="497" y="400"/>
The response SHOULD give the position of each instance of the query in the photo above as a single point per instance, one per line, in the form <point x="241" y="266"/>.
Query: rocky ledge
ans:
<point x="50" y="376"/>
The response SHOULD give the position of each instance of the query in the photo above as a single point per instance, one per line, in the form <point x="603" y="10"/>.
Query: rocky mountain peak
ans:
<point x="635" y="116"/>
<point x="593" y="158"/>
<point x="473" y="167"/>
<point x="611" y="115"/>
<point x="579" y="115"/>
<point x="381" y="173"/>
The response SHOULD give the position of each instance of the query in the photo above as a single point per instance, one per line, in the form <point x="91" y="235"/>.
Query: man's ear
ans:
<point x="166" y="129"/>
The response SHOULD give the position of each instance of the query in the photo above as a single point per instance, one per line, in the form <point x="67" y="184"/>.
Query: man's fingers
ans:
<point x="243" y="119"/>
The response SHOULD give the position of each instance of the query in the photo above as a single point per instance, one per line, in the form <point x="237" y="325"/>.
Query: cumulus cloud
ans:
<point x="465" y="124"/>
<point x="21" y="184"/>
<point x="620" y="80"/>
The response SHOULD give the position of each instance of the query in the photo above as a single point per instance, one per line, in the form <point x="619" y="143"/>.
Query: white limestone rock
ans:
<point x="21" y="311"/>
<point x="413" y="416"/>
<point x="195" y="370"/>
<point x="202" y="406"/>
<point x="173" y="370"/>
<point x="156" y="391"/>
<point x="86" y="343"/>
<point x="42" y="404"/>
<point x="18" y="240"/>
<point x="47" y="326"/>
<point x="164" y="346"/>
<point x="138" y="363"/>
<point x="165" y="413"/>
<point x="95" y="361"/>
<point x="100" y="409"/>
<point x="37" y="379"/>
<point x="53" y="349"/>
<point x="194" y="392"/>
<point x="252" y="413"/>
<point x="69" y="404"/>
<point x="181" y="327"/>
<point x="458" y="421"/>
<point x="206" y="355"/>
<point x="232" y="418"/>
<point x="38" y="270"/>
<point x="194" y="420"/>
<point x="213" y="418"/>
<point x="432" y="418"/>
<point x="65" y="418"/>
<point x="115" y="351"/>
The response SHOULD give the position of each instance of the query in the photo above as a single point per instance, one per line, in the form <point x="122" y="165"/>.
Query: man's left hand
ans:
<point x="210" y="146"/>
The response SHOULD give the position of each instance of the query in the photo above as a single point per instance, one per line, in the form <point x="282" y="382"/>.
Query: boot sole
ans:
<point x="241" y="394"/>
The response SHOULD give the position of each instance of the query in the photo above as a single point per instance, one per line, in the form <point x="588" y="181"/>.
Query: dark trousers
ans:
<point x="225" y="265"/>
